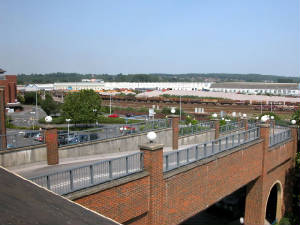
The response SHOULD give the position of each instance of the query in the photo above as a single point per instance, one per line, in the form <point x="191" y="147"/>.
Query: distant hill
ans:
<point x="155" y="77"/>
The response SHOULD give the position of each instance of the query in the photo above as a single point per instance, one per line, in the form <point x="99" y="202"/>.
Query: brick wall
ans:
<point x="10" y="88"/>
<point x="172" y="197"/>
<point x="126" y="202"/>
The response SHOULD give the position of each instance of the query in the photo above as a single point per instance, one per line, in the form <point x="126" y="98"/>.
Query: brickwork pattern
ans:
<point x="52" y="146"/>
<point x="121" y="203"/>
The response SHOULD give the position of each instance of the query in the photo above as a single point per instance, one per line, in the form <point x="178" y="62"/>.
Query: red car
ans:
<point x="113" y="116"/>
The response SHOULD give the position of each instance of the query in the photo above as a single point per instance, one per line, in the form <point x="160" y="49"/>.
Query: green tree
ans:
<point x="82" y="107"/>
<point x="296" y="116"/>
<point x="30" y="98"/>
<point x="21" y="98"/>
<point x="49" y="105"/>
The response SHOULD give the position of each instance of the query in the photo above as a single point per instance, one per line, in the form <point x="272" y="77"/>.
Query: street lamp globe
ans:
<point x="264" y="118"/>
<point x="215" y="115"/>
<point x="151" y="136"/>
<point x="173" y="110"/>
<point x="233" y="114"/>
<point x="272" y="117"/>
<point x="293" y="122"/>
<point x="48" y="119"/>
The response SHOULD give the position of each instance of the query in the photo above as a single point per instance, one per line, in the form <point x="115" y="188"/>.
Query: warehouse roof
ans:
<point x="255" y="85"/>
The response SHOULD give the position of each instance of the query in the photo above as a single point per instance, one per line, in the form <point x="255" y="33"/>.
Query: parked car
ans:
<point x="114" y="116"/>
<point x="30" y="134"/>
<point x="127" y="129"/>
<point x="38" y="137"/>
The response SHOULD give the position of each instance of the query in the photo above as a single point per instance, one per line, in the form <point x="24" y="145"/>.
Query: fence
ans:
<point x="75" y="137"/>
<point x="22" y="139"/>
<point x="231" y="126"/>
<point x="185" y="156"/>
<point x="70" y="180"/>
<point x="279" y="137"/>
<point x="194" y="129"/>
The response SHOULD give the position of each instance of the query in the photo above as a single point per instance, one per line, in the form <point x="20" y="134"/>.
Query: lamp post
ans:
<point x="110" y="104"/>
<point x="36" y="116"/>
<point x="95" y="111"/>
<point x="68" y="121"/>
<point x="179" y="107"/>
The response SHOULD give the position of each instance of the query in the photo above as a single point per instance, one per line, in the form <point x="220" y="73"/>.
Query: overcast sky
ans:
<point x="144" y="36"/>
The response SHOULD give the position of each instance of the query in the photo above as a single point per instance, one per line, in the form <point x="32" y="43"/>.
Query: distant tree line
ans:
<point x="157" y="77"/>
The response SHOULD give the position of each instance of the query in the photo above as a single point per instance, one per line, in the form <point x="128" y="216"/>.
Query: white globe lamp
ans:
<point x="151" y="136"/>
<point x="241" y="220"/>
<point x="48" y="119"/>
<point x="233" y="114"/>
<point x="293" y="122"/>
<point x="215" y="115"/>
<point x="257" y="118"/>
<point x="244" y="115"/>
<point x="272" y="117"/>
<point x="173" y="110"/>
<point x="264" y="118"/>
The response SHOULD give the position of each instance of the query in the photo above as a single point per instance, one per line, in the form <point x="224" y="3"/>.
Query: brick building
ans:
<point x="9" y="83"/>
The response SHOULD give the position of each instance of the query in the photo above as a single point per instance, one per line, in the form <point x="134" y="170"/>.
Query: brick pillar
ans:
<point x="255" y="207"/>
<point x="52" y="146"/>
<point x="294" y="135"/>
<point x="175" y="131"/>
<point x="245" y="124"/>
<point x="2" y="120"/>
<point x="153" y="163"/>
<point x="12" y="94"/>
<point x="217" y="128"/>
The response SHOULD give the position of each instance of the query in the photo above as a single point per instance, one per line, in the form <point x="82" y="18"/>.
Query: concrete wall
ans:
<point x="114" y="145"/>
<point x="23" y="156"/>
<point x="197" y="138"/>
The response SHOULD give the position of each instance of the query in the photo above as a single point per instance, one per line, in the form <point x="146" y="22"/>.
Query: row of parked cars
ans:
<point x="72" y="138"/>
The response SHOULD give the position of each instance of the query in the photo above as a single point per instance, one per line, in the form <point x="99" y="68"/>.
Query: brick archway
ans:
<point x="279" y="199"/>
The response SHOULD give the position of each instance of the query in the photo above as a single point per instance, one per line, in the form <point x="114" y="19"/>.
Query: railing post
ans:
<point x="226" y="142"/>
<point x="127" y="166"/>
<point x="175" y="130"/>
<point x="48" y="182"/>
<point x="110" y="169"/>
<point x="153" y="162"/>
<point x="71" y="180"/>
<point x="205" y="149"/>
<point x="220" y="145"/>
<point x="178" y="159"/>
<point x="197" y="153"/>
<point x="92" y="174"/>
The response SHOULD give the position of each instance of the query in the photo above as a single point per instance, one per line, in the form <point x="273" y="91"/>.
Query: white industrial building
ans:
<point x="286" y="89"/>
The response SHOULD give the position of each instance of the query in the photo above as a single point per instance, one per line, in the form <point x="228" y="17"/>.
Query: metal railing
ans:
<point x="74" y="179"/>
<point x="279" y="137"/>
<point x="231" y="126"/>
<point x="175" y="159"/>
<point x="194" y="129"/>
<point x="75" y="137"/>
<point x="22" y="139"/>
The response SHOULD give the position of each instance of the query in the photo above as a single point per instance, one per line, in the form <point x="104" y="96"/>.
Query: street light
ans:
<point x="68" y="121"/>
<point x="151" y="136"/>
<point x="95" y="111"/>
